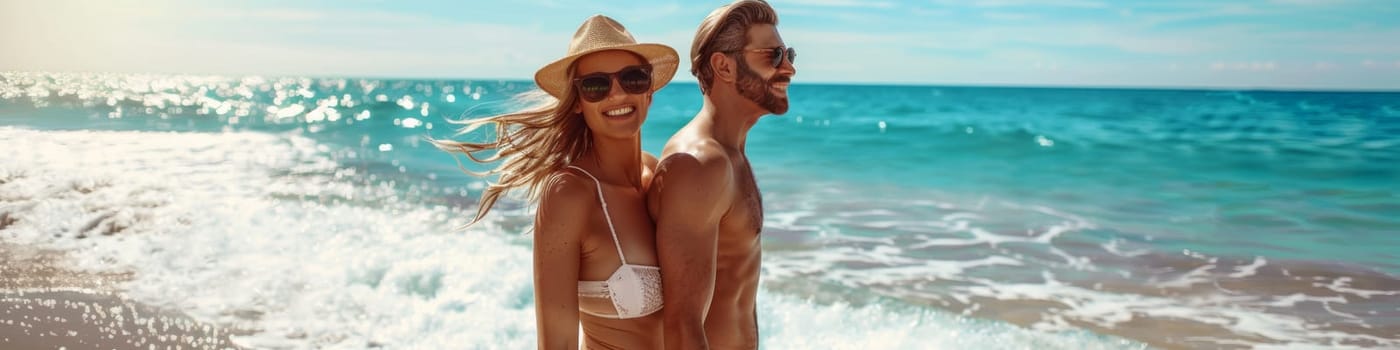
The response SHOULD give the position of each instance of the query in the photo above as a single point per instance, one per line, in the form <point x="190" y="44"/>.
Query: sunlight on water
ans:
<point x="278" y="100"/>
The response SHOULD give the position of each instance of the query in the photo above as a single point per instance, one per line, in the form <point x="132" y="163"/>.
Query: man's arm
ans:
<point x="558" y="233"/>
<point x="689" y="189"/>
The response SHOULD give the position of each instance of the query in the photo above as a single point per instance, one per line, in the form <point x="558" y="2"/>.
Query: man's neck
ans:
<point x="730" y="117"/>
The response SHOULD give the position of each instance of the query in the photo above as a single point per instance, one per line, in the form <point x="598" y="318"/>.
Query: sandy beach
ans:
<point x="44" y="306"/>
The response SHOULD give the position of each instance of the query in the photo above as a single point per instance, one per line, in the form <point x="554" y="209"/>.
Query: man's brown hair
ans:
<point x="725" y="30"/>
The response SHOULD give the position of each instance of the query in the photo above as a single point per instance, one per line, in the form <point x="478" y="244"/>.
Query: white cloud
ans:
<point x="1312" y="2"/>
<point x="1197" y="12"/>
<point x="1024" y="3"/>
<point x="282" y="15"/>
<point x="837" y="3"/>
<point x="1245" y="66"/>
<point x="1008" y="16"/>
<point x="1076" y="37"/>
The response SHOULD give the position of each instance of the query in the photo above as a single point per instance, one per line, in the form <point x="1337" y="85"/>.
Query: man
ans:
<point x="704" y="198"/>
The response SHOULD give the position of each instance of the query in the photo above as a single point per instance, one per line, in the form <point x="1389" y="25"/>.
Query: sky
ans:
<point x="1281" y="44"/>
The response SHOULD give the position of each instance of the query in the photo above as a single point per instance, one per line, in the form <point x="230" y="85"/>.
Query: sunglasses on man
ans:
<point x="595" y="87"/>
<point x="775" y="54"/>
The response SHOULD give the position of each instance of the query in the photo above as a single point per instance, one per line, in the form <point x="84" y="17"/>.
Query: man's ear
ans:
<point x="723" y="66"/>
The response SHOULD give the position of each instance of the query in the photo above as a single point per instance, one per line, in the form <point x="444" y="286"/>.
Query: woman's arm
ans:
<point x="558" y="233"/>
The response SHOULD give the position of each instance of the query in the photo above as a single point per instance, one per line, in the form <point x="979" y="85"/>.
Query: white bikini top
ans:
<point x="635" y="290"/>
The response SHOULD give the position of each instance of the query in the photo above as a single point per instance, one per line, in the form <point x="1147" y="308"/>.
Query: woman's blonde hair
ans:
<point x="533" y="143"/>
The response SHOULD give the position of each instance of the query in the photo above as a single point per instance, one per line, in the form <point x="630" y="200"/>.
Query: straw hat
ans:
<point x="600" y="33"/>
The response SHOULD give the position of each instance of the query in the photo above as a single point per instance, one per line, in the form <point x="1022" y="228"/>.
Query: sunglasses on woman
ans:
<point x="775" y="54"/>
<point x="596" y="86"/>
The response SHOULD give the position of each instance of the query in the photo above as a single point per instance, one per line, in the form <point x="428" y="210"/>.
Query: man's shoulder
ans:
<point x="695" y="146"/>
<point x="695" y="158"/>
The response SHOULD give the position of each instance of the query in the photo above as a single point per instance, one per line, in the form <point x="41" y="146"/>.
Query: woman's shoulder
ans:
<point x="567" y="184"/>
<point x="565" y="198"/>
<point x="649" y="164"/>
<point x="649" y="161"/>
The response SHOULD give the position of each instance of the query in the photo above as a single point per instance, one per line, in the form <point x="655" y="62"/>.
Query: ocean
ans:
<point x="304" y="212"/>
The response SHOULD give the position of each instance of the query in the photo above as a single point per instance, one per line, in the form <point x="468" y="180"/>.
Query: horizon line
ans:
<point x="686" y="80"/>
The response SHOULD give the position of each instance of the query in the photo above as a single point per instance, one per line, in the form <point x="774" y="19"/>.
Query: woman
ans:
<point x="579" y="154"/>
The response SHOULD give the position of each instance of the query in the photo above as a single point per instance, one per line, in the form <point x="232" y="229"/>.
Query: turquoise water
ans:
<point x="1211" y="171"/>
<point x="1178" y="218"/>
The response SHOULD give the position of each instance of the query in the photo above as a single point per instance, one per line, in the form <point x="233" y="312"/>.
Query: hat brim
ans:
<point x="554" y="77"/>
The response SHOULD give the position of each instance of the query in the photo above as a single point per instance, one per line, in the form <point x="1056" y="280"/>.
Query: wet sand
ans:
<point x="1167" y="301"/>
<point x="1303" y="279"/>
<point x="43" y="306"/>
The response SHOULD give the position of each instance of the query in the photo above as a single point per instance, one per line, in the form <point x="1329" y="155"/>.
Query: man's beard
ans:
<point x="760" y="91"/>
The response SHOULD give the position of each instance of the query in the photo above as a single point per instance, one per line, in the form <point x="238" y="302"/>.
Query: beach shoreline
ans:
<point x="45" y="306"/>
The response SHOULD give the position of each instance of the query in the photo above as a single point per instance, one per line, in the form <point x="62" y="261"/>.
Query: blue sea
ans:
<point x="311" y="212"/>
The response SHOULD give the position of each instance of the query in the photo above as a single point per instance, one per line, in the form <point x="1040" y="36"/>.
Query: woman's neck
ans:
<point x="617" y="160"/>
